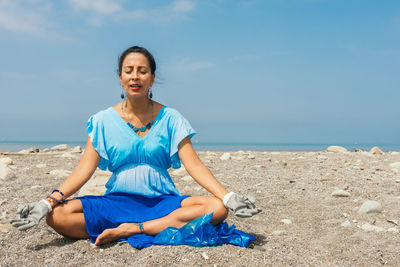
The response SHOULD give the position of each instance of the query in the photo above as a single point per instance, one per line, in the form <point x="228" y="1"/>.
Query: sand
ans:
<point x="301" y="223"/>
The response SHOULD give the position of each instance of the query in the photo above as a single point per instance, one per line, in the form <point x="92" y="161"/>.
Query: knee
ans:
<point x="56" y="216"/>
<point x="219" y="210"/>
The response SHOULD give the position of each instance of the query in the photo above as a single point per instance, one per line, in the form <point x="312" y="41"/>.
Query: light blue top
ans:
<point x="139" y="165"/>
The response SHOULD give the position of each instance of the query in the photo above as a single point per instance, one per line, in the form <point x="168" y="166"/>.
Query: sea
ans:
<point x="15" y="146"/>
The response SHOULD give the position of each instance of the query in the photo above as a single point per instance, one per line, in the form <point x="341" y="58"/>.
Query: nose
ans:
<point x="134" y="75"/>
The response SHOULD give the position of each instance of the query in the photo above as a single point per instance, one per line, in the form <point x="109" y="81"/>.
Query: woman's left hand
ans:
<point x="242" y="205"/>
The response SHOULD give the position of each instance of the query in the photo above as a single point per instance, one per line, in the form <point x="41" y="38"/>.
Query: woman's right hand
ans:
<point x="30" y="214"/>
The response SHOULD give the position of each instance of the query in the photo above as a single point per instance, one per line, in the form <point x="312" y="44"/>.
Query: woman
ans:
<point x="138" y="140"/>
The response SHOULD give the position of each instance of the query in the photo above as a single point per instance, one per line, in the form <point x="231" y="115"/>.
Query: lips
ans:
<point x="134" y="86"/>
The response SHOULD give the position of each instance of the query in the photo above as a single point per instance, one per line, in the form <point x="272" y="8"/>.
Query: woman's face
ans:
<point x="136" y="77"/>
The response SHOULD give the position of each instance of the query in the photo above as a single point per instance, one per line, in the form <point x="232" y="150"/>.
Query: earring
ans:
<point x="122" y="94"/>
<point x="150" y="93"/>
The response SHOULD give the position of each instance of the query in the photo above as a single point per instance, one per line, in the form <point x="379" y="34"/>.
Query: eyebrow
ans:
<point x="131" y="67"/>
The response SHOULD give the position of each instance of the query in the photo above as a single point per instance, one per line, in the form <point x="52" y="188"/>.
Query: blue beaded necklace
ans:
<point x="143" y="128"/>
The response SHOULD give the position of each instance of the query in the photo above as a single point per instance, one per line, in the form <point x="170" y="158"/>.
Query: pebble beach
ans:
<point x="328" y="208"/>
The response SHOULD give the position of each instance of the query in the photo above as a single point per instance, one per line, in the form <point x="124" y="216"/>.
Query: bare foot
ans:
<point x="109" y="235"/>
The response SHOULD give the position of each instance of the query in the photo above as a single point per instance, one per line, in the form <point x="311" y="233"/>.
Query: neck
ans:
<point x="137" y="106"/>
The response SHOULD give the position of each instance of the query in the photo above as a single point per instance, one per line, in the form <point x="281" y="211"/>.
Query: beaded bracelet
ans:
<point x="55" y="199"/>
<point x="61" y="193"/>
<point x="140" y="227"/>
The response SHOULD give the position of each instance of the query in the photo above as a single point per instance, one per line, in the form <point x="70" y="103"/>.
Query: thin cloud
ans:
<point x="29" y="17"/>
<point x="177" y="10"/>
<point x="103" y="10"/>
<point x="17" y="75"/>
<point x="245" y="58"/>
<point x="183" y="6"/>
<point x="186" y="65"/>
<point x="97" y="6"/>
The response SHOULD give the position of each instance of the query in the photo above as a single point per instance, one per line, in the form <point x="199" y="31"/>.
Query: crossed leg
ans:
<point x="68" y="219"/>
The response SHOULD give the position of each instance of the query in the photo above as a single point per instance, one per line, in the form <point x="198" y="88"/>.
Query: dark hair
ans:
<point x="137" y="49"/>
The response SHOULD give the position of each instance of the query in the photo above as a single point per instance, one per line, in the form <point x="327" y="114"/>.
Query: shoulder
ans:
<point x="100" y="118"/>
<point x="102" y="114"/>
<point x="172" y="113"/>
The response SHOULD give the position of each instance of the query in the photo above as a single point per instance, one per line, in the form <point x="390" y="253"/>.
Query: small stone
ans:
<point x="225" y="156"/>
<point x="179" y="172"/>
<point x="6" y="161"/>
<point x="370" y="206"/>
<point x="369" y="228"/>
<point x="393" y="230"/>
<point x="365" y="153"/>
<point x="279" y="233"/>
<point x="395" y="153"/>
<point x="251" y="156"/>
<point x="376" y="151"/>
<point x="395" y="222"/>
<point x="187" y="178"/>
<point x="322" y="157"/>
<point x="6" y="173"/>
<point x="60" y="173"/>
<point x="4" y="228"/>
<point x="41" y="165"/>
<point x="46" y="150"/>
<point x="340" y="193"/>
<point x="68" y="155"/>
<point x="395" y="165"/>
<point x="336" y="149"/>
<point x="76" y="149"/>
<point x="346" y="224"/>
<point x="286" y="221"/>
<point x="275" y="153"/>
<point x="359" y="150"/>
<point x="205" y="256"/>
<point x="259" y="166"/>
<point x="30" y="150"/>
<point x="3" y="201"/>
<point x="61" y="147"/>
<point x="36" y="186"/>
<point x="398" y="181"/>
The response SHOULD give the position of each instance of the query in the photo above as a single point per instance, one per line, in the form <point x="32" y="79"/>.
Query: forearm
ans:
<point x="79" y="176"/>
<point x="202" y="175"/>
<point x="71" y="185"/>
<point x="75" y="181"/>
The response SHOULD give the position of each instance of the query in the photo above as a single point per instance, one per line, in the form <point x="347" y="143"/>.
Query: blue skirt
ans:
<point x="109" y="211"/>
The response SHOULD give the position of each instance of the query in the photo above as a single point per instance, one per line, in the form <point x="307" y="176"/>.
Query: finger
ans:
<point x="243" y="213"/>
<point x="27" y="226"/>
<point x="25" y="211"/>
<point x="19" y="223"/>
<point x="250" y="205"/>
<point x="254" y="211"/>
<point x="22" y="209"/>
<point x="247" y="212"/>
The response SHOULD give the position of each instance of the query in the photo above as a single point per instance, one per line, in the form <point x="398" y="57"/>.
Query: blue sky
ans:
<point x="286" y="71"/>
